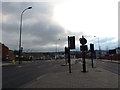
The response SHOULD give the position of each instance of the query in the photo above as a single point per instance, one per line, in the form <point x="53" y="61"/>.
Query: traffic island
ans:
<point x="95" y="78"/>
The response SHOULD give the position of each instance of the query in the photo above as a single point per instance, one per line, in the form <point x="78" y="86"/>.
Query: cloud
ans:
<point x="40" y="32"/>
<point x="109" y="42"/>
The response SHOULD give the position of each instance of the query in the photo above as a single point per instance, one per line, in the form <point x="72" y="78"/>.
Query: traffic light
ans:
<point x="92" y="47"/>
<point x="71" y="42"/>
<point x="84" y="47"/>
<point x="66" y="50"/>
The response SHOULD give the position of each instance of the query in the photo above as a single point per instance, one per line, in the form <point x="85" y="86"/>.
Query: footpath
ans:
<point x="14" y="63"/>
<point x="93" y="78"/>
<point x="110" y="61"/>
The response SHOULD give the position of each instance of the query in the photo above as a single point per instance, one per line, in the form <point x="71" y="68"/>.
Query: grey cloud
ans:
<point x="103" y="40"/>
<point x="110" y="45"/>
<point x="10" y="28"/>
<point x="16" y="8"/>
<point x="41" y="35"/>
<point x="44" y="30"/>
<point x="39" y="31"/>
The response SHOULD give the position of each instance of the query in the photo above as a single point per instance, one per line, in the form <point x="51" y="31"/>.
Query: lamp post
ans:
<point x="56" y="47"/>
<point x="20" y="48"/>
<point x="99" y="47"/>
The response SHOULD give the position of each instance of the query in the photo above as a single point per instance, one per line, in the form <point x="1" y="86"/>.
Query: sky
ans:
<point x="47" y="25"/>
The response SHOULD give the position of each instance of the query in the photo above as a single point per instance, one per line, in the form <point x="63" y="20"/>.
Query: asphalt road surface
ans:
<point x="16" y="76"/>
<point x="110" y="66"/>
<point x="113" y="67"/>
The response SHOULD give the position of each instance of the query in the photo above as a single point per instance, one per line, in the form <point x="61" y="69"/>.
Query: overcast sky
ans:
<point x="49" y="24"/>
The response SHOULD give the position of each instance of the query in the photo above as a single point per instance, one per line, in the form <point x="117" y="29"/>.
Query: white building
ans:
<point x="117" y="50"/>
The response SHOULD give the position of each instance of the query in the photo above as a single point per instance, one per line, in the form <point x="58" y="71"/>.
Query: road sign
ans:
<point x="83" y="40"/>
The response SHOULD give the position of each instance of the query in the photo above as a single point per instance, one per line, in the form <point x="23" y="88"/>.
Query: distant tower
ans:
<point x="107" y="48"/>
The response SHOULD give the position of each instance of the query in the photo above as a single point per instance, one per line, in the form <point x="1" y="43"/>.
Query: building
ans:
<point x="113" y="54"/>
<point x="38" y="55"/>
<point x="5" y="50"/>
<point x="47" y="55"/>
<point x="101" y="53"/>
<point x="118" y="50"/>
<point x="11" y="55"/>
<point x="6" y="53"/>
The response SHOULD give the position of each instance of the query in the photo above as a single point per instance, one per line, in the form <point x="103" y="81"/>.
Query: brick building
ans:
<point x="6" y="54"/>
<point x="5" y="50"/>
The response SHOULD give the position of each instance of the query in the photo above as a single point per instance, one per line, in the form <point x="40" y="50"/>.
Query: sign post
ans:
<point x="71" y="45"/>
<point x="66" y="55"/>
<point x="83" y="41"/>
<point x="92" y="51"/>
<point x="69" y="54"/>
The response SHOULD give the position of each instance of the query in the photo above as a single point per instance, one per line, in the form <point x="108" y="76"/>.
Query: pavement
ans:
<point x="5" y="64"/>
<point x="110" y="61"/>
<point x="26" y="62"/>
<point x="72" y="62"/>
<point x="93" y="78"/>
<point x="14" y="63"/>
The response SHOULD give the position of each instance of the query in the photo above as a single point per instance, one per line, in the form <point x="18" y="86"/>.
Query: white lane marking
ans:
<point x="38" y="78"/>
<point x="19" y="66"/>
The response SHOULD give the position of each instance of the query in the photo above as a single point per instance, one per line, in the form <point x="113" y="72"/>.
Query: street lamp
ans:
<point x="20" y="48"/>
<point x="99" y="47"/>
<point x="56" y="47"/>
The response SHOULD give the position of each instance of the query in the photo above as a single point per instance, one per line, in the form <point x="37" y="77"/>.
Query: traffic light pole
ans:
<point x="71" y="45"/>
<point x="92" y="59"/>
<point x="83" y="41"/>
<point x="84" y="62"/>
<point x="69" y="61"/>
<point x="92" y="52"/>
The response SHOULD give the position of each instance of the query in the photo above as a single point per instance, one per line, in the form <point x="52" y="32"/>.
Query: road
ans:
<point x="113" y="67"/>
<point x="18" y="75"/>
